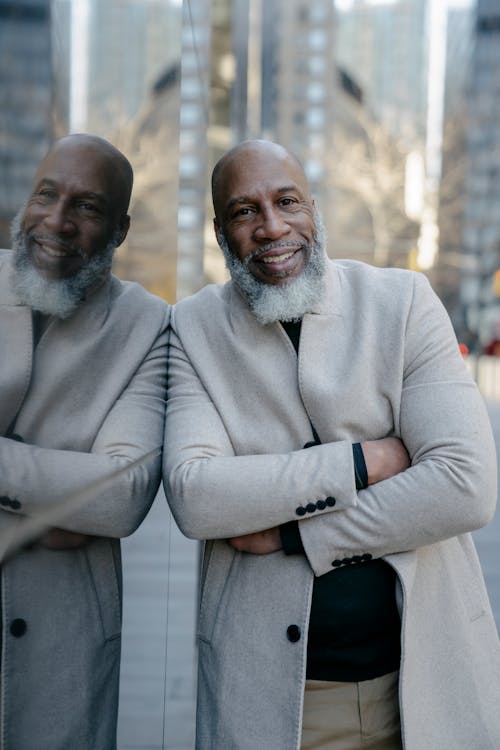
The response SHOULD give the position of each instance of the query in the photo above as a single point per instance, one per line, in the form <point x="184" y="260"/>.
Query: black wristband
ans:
<point x="360" y="470"/>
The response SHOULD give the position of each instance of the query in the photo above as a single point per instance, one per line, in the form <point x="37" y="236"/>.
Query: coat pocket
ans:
<point x="106" y="581"/>
<point x="472" y="586"/>
<point x="218" y="561"/>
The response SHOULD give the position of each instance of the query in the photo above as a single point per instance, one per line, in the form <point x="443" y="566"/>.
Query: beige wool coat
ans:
<point x="89" y="399"/>
<point x="377" y="357"/>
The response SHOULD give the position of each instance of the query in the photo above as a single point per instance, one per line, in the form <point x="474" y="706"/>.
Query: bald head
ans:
<point x="249" y="153"/>
<point x="105" y="158"/>
<point x="78" y="206"/>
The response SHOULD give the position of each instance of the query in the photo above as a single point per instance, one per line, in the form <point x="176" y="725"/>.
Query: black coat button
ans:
<point x="337" y="563"/>
<point x="321" y="504"/>
<point x="311" y="507"/>
<point x="4" y="500"/>
<point x="18" y="627"/>
<point x="347" y="560"/>
<point x="293" y="633"/>
<point x="300" y="511"/>
<point x="15" y="504"/>
<point x="356" y="558"/>
<point x="330" y="501"/>
<point x="366" y="557"/>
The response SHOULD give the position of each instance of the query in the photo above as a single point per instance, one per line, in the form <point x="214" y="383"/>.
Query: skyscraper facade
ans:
<point x="479" y="293"/>
<point x="26" y="111"/>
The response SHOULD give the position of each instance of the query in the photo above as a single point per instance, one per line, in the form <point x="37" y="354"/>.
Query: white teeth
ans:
<point x="277" y="258"/>
<point x="53" y="253"/>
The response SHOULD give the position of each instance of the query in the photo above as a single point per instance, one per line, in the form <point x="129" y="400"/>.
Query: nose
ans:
<point x="272" y="225"/>
<point x="58" y="219"/>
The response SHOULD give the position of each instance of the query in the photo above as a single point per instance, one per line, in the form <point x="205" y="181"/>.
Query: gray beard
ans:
<point x="58" y="297"/>
<point x="270" y="303"/>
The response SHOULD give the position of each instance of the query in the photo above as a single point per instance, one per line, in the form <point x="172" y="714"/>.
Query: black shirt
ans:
<point x="354" y="626"/>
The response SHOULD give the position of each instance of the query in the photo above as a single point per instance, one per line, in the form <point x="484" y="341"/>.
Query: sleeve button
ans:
<point x="337" y="563"/>
<point x="330" y="501"/>
<point x="300" y="511"/>
<point x="321" y="504"/>
<point x="311" y="507"/>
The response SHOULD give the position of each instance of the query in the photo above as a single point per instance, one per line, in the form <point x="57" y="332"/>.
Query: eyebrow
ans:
<point x="100" y="197"/>
<point x="242" y="199"/>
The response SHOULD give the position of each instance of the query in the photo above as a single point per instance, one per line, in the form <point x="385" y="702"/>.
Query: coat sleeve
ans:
<point x="214" y="494"/>
<point x="450" y="487"/>
<point x="34" y="478"/>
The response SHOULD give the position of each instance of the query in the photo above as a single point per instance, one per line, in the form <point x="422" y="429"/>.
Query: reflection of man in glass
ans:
<point x="296" y="391"/>
<point x="82" y="384"/>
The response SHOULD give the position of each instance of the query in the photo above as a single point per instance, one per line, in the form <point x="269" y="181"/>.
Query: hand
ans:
<point x="59" y="539"/>
<point x="384" y="458"/>
<point x="258" y="543"/>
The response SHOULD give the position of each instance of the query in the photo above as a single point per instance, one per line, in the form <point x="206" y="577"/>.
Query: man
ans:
<point x="280" y="383"/>
<point x="82" y="378"/>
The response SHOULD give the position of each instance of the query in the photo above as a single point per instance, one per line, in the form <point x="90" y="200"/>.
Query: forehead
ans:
<point x="77" y="168"/>
<point x="258" y="173"/>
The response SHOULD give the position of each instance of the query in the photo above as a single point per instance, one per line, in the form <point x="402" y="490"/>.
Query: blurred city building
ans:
<point x="26" y="94"/>
<point x="124" y="63"/>
<point x="110" y="67"/>
<point x="351" y="100"/>
<point x="393" y="50"/>
<point x="273" y="76"/>
<point x="446" y="275"/>
<point x="478" y="314"/>
<point x="386" y="46"/>
<point x="193" y="149"/>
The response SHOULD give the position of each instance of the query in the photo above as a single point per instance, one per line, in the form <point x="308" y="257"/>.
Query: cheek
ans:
<point x="95" y="238"/>
<point x="32" y="216"/>
<point x="240" y="244"/>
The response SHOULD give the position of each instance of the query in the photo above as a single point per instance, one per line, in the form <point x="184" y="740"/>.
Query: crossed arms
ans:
<point x="35" y="478"/>
<point x="449" y="489"/>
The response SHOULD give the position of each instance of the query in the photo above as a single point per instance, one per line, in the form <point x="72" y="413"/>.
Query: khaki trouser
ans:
<point x="352" y="715"/>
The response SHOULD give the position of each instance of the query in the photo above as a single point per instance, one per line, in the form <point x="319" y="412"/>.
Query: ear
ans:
<point x="218" y="231"/>
<point x="123" y="226"/>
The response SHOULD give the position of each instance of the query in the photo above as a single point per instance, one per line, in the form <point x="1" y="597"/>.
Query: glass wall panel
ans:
<point x="113" y="68"/>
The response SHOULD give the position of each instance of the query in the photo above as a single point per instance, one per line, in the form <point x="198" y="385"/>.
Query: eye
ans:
<point x="242" y="212"/>
<point x="45" y="194"/>
<point x="87" y="207"/>
<point x="288" y="201"/>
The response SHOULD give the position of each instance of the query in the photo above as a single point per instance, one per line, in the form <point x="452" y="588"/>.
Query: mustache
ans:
<point x="271" y="246"/>
<point x="58" y="242"/>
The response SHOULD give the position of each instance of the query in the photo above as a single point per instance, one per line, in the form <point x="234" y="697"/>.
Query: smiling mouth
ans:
<point x="53" y="252"/>
<point x="278" y="258"/>
<point x="54" y="248"/>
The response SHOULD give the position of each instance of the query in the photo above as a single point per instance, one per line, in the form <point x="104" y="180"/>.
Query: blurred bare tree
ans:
<point x="151" y="142"/>
<point x="367" y="175"/>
